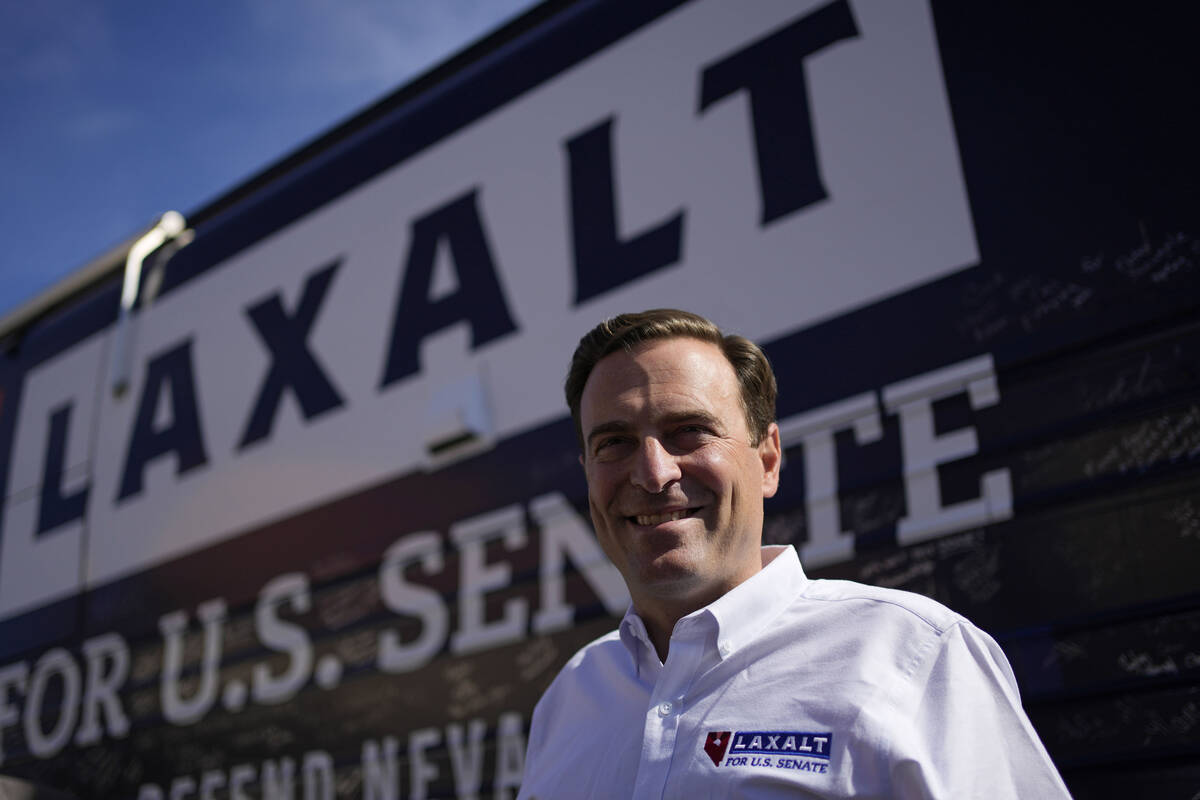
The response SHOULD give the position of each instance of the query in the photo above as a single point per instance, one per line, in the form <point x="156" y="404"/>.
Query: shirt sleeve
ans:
<point x="533" y="750"/>
<point x="971" y="737"/>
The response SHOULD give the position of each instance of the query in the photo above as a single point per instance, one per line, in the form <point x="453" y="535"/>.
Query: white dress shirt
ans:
<point x="790" y="687"/>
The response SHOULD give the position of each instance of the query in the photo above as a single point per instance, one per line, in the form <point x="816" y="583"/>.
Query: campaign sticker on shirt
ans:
<point x="805" y="751"/>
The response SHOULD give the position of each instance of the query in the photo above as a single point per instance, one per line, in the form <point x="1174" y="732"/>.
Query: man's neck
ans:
<point x="661" y="606"/>
<point x="659" y="614"/>
<point x="659" y="630"/>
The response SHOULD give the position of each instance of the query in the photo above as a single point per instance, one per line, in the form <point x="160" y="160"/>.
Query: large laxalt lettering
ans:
<point x="171" y="375"/>
<point x="603" y="260"/>
<point x="293" y="366"/>
<point x="772" y="71"/>
<point x="478" y="299"/>
<point x="56" y="508"/>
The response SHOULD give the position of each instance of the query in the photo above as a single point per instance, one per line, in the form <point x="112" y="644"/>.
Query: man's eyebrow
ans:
<point x="612" y="426"/>
<point x="694" y="415"/>
<point x="671" y="418"/>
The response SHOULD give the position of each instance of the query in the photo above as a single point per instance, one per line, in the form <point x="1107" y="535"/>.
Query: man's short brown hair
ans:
<point x="627" y="331"/>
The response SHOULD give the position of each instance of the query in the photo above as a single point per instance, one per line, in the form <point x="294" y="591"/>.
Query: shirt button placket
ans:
<point x="664" y="716"/>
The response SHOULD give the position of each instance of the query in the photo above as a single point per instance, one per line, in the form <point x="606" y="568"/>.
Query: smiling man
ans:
<point x="733" y="674"/>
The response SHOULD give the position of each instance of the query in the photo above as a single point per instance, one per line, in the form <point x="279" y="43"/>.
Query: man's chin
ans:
<point x="670" y="573"/>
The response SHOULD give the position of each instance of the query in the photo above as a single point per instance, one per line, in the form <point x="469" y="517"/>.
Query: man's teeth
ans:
<point x="658" y="519"/>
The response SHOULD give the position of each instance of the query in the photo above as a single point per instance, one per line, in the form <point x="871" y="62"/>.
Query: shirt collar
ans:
<point x="742" y="612"/>
<point x="635" y="637"/>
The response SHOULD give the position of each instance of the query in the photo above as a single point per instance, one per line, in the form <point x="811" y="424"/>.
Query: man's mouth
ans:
<point x="666" y="516"/>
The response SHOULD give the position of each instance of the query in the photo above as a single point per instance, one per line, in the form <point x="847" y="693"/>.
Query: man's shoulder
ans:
<point x="585" y="680"/>
<point x="889" y="637"/>
<point x="894" y="604"/>
<point x="604" y="653"/>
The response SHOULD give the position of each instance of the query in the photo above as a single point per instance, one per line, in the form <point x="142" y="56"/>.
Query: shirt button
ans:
<point x="665" y="708"/>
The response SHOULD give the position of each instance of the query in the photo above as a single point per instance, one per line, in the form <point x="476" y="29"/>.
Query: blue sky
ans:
<point x="114" y="112"/>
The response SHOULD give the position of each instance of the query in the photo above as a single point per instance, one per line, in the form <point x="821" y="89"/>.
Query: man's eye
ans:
<point x="690" y="436"/>
<point x="610" y="444"/>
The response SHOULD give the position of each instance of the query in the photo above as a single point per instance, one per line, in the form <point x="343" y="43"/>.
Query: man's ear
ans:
<point x="771" y="452"/>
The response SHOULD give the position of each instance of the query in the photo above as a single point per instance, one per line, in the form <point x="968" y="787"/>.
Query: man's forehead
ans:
<point x="678" y="376"/>
<point x="657" y="360"/>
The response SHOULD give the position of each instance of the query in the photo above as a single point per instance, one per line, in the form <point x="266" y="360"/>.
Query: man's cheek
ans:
<point x="597" y="518"/>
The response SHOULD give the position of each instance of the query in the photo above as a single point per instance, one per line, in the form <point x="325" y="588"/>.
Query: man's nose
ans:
<point x="654" y="469"/>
